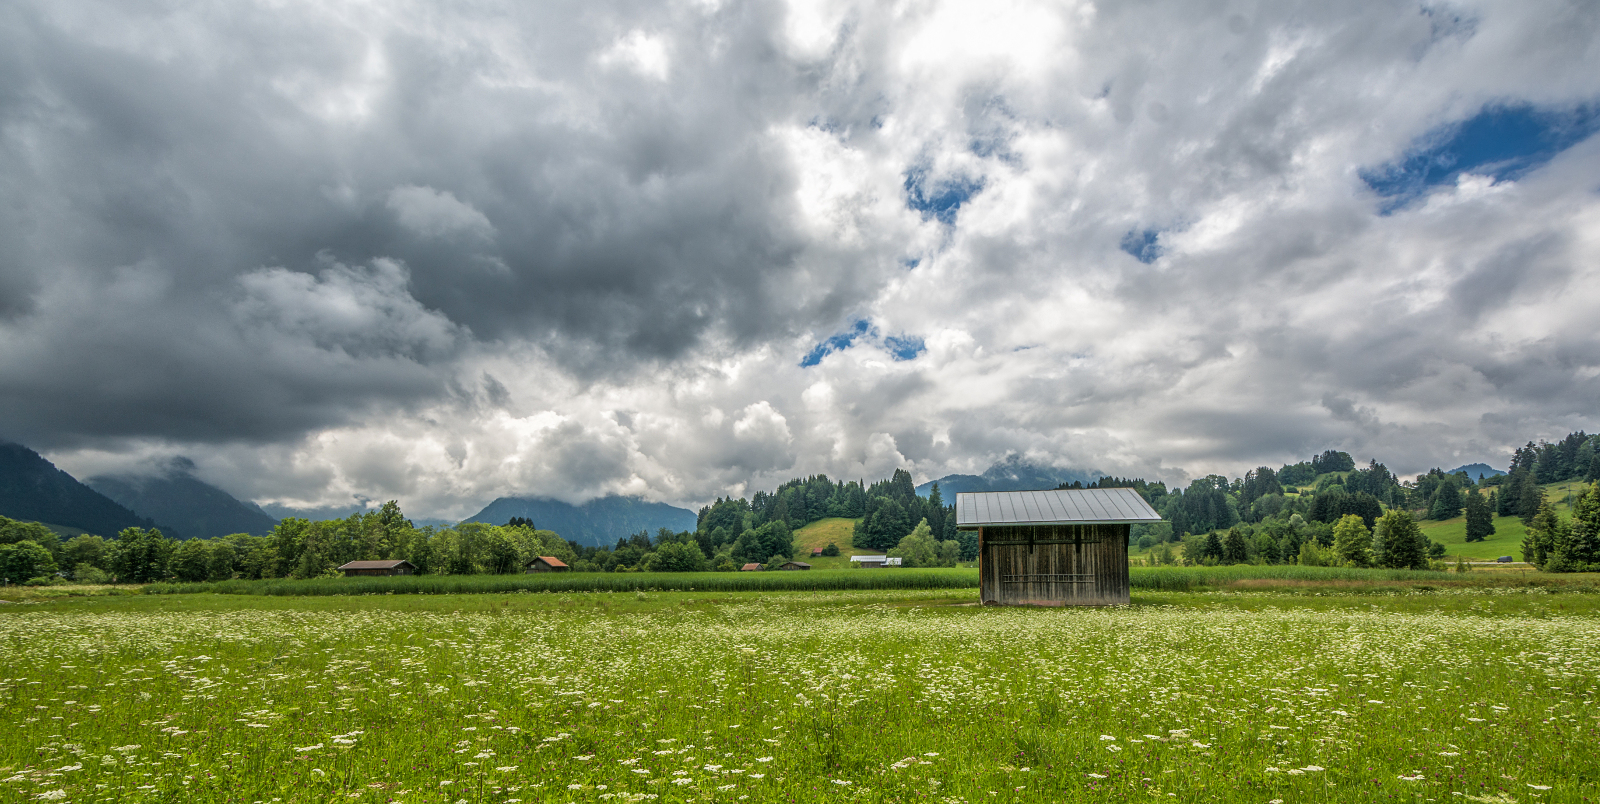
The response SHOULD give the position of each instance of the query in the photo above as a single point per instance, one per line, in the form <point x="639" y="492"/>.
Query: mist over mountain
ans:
<point x="175" y="497"/>
<point x="1011" y="474"/>
<point x="598" y="522"/>
<point x="32" y="489"/>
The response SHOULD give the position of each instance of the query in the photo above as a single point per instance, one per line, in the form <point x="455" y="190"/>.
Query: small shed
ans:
<point x="547" y="564"/>
<point x="795" y="565"/>
<point x="1062" y="547"/>
<point x="751" y="567"/>
<point x="816" y="551"/>
<point x="869" y="561"/>
<point x="389" y="567"/>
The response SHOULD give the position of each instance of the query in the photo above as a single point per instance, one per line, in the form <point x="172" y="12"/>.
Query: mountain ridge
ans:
<point x="32" y="489"/>
<point x="598" y="522"/>
<point x="1010" y="474"/>
<point x="194" y="508"/>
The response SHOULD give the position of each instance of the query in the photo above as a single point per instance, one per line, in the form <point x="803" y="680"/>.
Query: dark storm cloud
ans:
<point x="532" y="188"/>
<point x="447" y="252"/>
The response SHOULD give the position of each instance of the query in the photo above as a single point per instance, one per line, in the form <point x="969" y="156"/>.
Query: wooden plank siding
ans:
<point x="1053" y="565"/>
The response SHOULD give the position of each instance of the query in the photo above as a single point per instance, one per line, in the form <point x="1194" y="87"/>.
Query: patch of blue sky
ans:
<point x="839" y="342"/>
<point x="1143" y="244"/>
<point x="904" y="347"/>
<point x="941" y="198"/>
<point x="1502" y="141"/>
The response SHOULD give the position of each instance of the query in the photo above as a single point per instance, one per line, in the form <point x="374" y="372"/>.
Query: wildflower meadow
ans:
<point x="870" y="695"/>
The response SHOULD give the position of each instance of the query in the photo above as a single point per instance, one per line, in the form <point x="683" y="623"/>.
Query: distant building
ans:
<point x="1062" y="547"/>
<point x="795" y="565"/>
<point x="391" y="567"/>
<point x="816" y="551"/>
<point x="751" y="567"/>
<point x="869" y="561"/>
<point x="547" y="564"/>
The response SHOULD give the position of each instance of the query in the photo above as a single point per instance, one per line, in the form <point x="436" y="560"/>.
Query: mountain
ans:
<point x="599" y="522"/>
<point x="32" y="489"/>
<point x="1476" y="471"/>
<point x="193" y="508"/>
<point x="1011" y="474"/>
<point x="281" y="511"/>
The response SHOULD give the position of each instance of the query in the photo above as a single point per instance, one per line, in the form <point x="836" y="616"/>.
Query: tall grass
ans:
<point x="1186" y="579"/>
<point x="814" y="580"/>
<point x="1163" y="579"/>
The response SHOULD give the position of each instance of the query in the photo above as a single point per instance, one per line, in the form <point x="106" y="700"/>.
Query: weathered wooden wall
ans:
<point x="1053" y="565"/>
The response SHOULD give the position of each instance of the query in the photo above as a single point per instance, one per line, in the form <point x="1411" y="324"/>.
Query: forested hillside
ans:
<point x="1324" y="510"/>
<point x="33" y="489"/>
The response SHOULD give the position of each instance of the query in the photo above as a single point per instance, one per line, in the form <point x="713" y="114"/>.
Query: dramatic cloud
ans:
<point x="445" y="252"/>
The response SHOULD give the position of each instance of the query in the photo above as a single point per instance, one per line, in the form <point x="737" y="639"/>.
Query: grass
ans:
<point x="1508" y="530"/>
<point x="838" y="530"/>
<point x="1452" y="533"/>
<point x="1170" y="579"/>
<point x="1486" y="691"/>
<point x="813" y="580"/>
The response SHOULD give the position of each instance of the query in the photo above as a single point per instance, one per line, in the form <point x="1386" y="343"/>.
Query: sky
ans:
<point x="444" y="252"/>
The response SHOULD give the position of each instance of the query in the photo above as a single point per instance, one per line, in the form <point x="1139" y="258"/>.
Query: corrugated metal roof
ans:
<point x="361" y="565"/>
<point x="1053" y="507"/>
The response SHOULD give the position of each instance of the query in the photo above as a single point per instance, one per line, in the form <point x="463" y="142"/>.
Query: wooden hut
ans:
<point x="794" y="565"/>
<point x="547" y="564"/>
<point x="1064" y="547"/>
<point x="751" y="567"/>
<point x="392" y="567"/>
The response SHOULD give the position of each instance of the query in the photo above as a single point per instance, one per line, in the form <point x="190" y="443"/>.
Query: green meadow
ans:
<point x="1218" y="685"/>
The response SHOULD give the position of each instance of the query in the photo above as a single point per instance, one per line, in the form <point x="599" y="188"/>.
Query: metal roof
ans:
<point x="389" y="564"/>
<point x="1053" y="507"/>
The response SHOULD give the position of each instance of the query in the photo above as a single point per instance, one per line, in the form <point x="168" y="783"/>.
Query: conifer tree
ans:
<point x="1399" y="543"/>
<point x="1234" y="550"/>
<point x="1480" y="521"/>
<point x="1544" y="532"/>
<point x="1447" y="502"/>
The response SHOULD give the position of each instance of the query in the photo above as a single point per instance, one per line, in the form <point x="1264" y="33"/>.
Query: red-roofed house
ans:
<point x="547" y="564"/>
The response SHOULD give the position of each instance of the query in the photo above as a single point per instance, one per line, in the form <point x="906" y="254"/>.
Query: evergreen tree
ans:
<point x="1480" y="521"/>
<point x="1545" y="531"/>
<point x="1399" y="543"/>
<point x="1446" y="501"/>
<point x="1532" y="499"/>
<point x="1213" y="547"/>
<point x="1581" y="549"/>
<point x="1352" y="542"/>
<point x="1234" y="550"/>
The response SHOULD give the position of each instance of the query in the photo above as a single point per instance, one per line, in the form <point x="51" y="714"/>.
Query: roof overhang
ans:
<point x="1052" y="507"/>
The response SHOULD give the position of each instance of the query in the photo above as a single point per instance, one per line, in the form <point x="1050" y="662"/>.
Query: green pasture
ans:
<point x="1338" y="689"/>
<point x="817" y="535"/>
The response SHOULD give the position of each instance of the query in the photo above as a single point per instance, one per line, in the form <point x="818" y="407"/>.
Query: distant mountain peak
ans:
<point x="1011" y="473"/>
<point x="193" y="508"/>
<point x="1476" y="471"/>
<point x="32" y="489"/>
<point x="599" y="522"/>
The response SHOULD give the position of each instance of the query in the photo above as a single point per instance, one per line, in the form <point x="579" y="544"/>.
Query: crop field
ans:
<point x="1477" y="694"/>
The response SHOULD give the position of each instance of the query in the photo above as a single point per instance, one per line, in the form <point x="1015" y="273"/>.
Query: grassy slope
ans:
<point x="1508" y="531"/>
<point x="838" y="530"/>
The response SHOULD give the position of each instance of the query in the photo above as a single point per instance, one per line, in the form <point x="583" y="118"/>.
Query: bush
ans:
<point x="42" y="580"/>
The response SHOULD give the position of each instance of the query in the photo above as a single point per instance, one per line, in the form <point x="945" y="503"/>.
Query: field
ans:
<point x="838" y="530"/>
<point x="1330" y="689"/>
